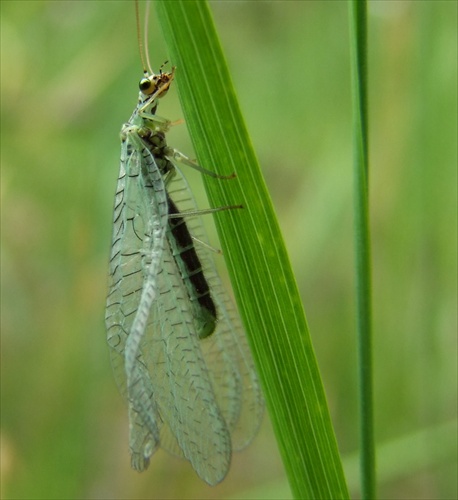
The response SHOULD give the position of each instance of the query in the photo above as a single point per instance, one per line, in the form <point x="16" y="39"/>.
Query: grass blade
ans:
<point x="358" y="40"/>
<point x="260" y="271"/>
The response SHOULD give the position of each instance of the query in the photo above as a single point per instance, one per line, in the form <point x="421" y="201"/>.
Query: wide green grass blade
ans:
<point x="260" y="271"/>
<point x="358" y="40"/>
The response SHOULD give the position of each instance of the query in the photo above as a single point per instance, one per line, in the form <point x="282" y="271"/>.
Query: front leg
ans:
<point x="154" y="122"/>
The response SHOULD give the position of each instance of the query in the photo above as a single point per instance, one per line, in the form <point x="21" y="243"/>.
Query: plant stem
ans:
<point x="358" y="37"/>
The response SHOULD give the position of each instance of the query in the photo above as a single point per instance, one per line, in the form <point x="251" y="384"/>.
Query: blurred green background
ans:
<point x="69" y="75"/>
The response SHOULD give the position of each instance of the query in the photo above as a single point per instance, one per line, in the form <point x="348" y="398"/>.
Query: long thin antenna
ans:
<point x="139" y="37"/>
<point x="145" y="41"/>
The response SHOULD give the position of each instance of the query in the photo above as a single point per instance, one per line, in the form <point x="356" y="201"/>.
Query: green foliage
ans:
<point x="263" y="281"/>
<point x="69" y="80"/>
<point x="363" y="267"/>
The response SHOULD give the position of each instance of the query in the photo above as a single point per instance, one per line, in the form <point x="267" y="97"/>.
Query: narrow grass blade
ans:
<point x="358" y="40"/>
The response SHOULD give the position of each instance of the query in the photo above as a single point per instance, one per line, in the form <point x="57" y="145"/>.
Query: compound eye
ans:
<point x="146" y="86"/>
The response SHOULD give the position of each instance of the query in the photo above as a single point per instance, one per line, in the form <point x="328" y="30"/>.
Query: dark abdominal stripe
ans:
<point x="187" y="254"/>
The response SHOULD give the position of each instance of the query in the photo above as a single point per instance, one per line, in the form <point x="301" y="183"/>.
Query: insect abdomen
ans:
<point x="190" y="267"/>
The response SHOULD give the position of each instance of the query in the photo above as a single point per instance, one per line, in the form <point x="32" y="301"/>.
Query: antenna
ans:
<point x="145" y="33"/>
<point x="143" y="49"/>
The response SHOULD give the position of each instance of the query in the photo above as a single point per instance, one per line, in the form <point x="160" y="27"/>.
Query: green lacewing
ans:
<point x="178" y="351"/>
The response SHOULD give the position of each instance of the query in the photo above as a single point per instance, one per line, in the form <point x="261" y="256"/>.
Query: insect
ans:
<point x="178" y="351"/>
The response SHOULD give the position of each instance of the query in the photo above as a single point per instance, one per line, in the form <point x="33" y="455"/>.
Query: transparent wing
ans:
<point x="225" y="352"/>
<point x="155" y="351"/>
<point x="207" y="393"/>
<point x="139" y="225"/>
<point x="192" y="424"/>
<point x="196" y="398"/>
